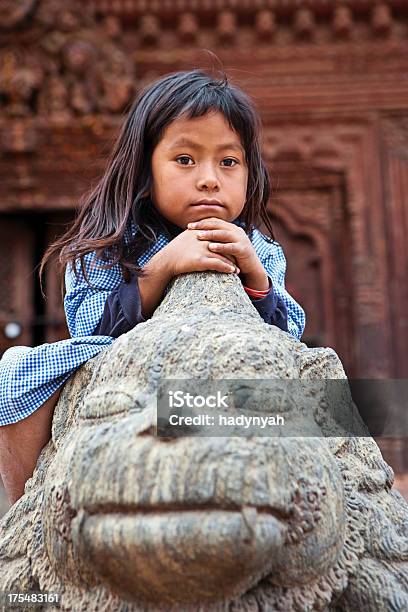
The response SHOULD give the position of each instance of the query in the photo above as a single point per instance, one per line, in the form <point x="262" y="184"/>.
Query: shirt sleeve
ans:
<point x="272" y="308"/>
<point x="275" y="266"/>
<point x="84" y="303"/>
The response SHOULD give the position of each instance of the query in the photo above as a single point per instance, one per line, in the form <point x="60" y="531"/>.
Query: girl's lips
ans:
<point x="208" y="206"/>
<point x="207" y="203"/>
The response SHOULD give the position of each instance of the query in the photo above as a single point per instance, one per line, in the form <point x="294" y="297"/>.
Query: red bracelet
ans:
<point x="257" y="293"/>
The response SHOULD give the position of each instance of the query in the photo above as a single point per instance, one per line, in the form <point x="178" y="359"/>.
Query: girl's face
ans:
<point x="196" y="160"/>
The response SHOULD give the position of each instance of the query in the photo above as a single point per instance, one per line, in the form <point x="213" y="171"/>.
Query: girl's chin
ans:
<point x="206" y="212"/>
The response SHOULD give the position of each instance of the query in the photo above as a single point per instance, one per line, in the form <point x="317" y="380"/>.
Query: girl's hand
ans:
<point x="186" y="253"/>
<point x="230" y="240"/>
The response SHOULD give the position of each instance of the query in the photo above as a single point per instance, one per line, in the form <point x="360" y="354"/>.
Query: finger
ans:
<point x="228" y="260"/>
<point x="209" y="223"/>
<point x="213" y="263"/>
<point x="229" y="248"/>
<point x="222" y="255"/>
<point x="218" y="235"/>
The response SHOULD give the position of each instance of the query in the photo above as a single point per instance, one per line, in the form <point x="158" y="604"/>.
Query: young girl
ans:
<point x="184" y="189"/>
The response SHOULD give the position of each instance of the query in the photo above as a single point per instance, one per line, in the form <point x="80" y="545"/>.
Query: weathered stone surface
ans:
<point x="115" y="518"/>
<point x="4" y="505"/>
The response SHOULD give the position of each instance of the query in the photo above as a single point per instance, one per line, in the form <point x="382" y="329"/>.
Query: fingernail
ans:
<point x="212" y="245"/>
<point x="191" y="225"/>
<point x="201" y="234"/>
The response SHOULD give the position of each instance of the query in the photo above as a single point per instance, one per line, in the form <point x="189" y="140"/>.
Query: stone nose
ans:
<point x="188" y="557"/>
<point x="192" y="512"/>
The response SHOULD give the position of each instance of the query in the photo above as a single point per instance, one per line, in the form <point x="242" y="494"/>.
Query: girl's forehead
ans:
<point x="213" y="126"/>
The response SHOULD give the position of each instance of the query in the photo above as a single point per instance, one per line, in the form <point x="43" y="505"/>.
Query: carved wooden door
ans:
<point x="26" y="318"/>
<point x="55" y="327"/>
<point x="310" y="223"/>
<point x="394" y="140"/>
<point x="16" y="274"/>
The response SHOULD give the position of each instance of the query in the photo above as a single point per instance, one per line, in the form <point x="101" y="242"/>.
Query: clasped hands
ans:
<point x="231" y="241"/>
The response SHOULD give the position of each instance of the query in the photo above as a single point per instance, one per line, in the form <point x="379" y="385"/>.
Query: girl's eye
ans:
<point x="184" y="157"/>
<point x="230" y="159"/>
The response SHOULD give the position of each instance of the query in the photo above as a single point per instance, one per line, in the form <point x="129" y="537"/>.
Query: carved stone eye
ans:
<point x="110" y="402"/>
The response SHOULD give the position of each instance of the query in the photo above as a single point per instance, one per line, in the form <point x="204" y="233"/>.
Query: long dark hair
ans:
<point x="105" y="213"/>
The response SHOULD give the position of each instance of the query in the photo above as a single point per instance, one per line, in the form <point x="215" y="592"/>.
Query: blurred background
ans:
<point x="331" y="83"/>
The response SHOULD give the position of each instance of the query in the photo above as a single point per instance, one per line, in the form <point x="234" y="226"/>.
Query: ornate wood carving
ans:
<point x="277" y="21"/>
<point x="61" y="62"/>
<point x="343" y="221"/>
<point x="394" y="132"/>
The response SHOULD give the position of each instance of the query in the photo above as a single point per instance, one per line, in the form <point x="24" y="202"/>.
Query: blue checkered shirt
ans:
<point x="29" y="376"/>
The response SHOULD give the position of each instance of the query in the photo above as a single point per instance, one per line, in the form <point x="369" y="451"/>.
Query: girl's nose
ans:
<point x="208" y="182"/>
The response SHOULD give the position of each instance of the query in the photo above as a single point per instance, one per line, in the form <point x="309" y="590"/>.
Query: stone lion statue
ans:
<point x="117" y="518"/>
